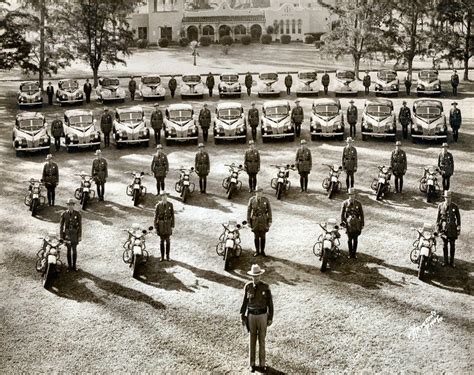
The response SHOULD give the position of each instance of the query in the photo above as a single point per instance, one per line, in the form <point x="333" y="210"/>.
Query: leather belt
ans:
<point x="257" y="311"/>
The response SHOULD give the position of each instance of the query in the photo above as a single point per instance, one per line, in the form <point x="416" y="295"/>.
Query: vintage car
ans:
<point x="109" y="90"/>
<point x="387" y="82"/>
<point x="378" y="119"/>
<point x="68" y="92"/>
<point x="326" y="119"/>
<point x="265" y="85"/>
<point x="191" y="86"/>
<point x="276" y="121"/>
<point x="30" y="133"/>
<point x="30" y="94"/>
<point x="180" y="124"/>
<point x="230" y="122"/>
<point x="428" y="83"/>
<point x="229" y="85"/>
<point x="345" y="83"/>
<point x="152" y="88"/>
<point x="306" y="83"/>
<point x="429" y="121"/>
<point x="130" y="126"/>
<point x="80" y="130"/>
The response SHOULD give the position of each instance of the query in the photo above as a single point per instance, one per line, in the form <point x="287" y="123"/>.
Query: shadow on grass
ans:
<point x="270" y="370"/>
<point x="457" y="280"/>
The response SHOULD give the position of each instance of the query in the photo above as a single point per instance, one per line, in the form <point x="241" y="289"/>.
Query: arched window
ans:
<point x="300" y="24"/>
<point x="193" y="33"/>
<point x="282" y="27"/>
<point x="293" y="26"/>
<point x="256" y="32"/>
<point x="287" y="26"/>
<point x="240" y="30"/>
<point x="208" y="30"/>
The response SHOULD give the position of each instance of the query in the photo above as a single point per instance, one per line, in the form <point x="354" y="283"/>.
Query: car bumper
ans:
<point x="109" y="99"/>
<point x="181" y="139"/>
<point x="428" y="92"/>
<point x="327" y="134"/>
<point x="379" y="135"/>
<point x="386" y="92"/>
<point x="282" y="135"/>
<point x="131" y="141"/>
<point x="83" y="145"/>
<point x="230" y="137"/>
<point x="425" y="136"/>
<point x="230" y="93"/>
<point x="70" y="101"/>
<point x="38" y="148"/>
<point x="30" y="104"/>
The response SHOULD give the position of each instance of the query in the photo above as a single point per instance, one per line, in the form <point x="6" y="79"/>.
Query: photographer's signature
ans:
<point x="425" y="328"/>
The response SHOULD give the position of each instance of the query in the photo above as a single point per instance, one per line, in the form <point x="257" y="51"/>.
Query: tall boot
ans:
<point x="306" y="179"/>
<point x="168" y="247"/>
<point x="400" y="187"/>
<point x="302" y="183"/>
<point x="445" y="252"/>
<point x="349" y="245"/>
<point x="452" y="250"/>
<point x="162" y="250"/>
<point x="262" y="246"/>
<point x="257" y="245"/>
<point x="200" y="184"/>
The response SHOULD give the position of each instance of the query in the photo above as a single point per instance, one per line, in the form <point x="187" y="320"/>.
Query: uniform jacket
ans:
<point x="100" y="170"/>
<point x="87" y="88"/>
<point x="57" y="129"/>
<point x="304" y="161"/>
<point x="248" y="80"/>
<point x="210" y="82"/>
<point x="352" y="114"/>
<point x="398" y="162"/>
<point x="252" y="161"/>
<point x="259" y="214"/>
<point x="50" y="90"/>
<point x="202" y="163"/>
<point x="253" y="117"/>
<point x="106" y="123"/>
<point x="448" y="220"/>
<point x="446" y="164"/>
<point x="349" y="159"/>
<point x="404" y="116"/>
<point x="51" y="173"/>
<point x="325" y="79"/>
<point x="297" y="115"/>
<point x="159" y="165"/>
<point x="205" y="118"/>
<point x="257" y="296"/>
<point x="172" y="84"/>
<point x="132" y="85"/>
<point x="454" y="80"/>
<point x="366" y="81"/>
<point x="156" y="120"/>
<point x="407" y="81"/>
<point x="164" y="219"/>
<point x="71" y="226"/>
<point x="455" y="118"/>
<point x="288" y="81"/>
<point x="352" y="215"/>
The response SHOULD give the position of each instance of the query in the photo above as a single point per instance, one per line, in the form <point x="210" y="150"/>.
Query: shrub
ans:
<point x="309" y="39"/>
<point x="183" y="42"/>
<point x="285" y="39"/>
<point x="142" y="43"/>
<point x="226" y="40"/>
<point x="246" y="40"/>
<point x="205" y="41"/>
<point x="270" y="29"/>
<point x="163" y="42"/>
<point x="266" y="39"/>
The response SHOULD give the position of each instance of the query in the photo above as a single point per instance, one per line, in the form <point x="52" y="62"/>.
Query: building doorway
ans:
<point x="193" y="33"/>
<point x="256" y="32"/>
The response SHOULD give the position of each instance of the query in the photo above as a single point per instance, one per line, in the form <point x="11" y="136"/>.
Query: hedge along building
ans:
<point x="169" y="19"/>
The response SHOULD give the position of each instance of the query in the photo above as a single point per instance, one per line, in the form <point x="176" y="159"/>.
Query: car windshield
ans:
<point x="269" y="76"/>
<point x="31" y="124"/>
<point x="276" y="111"/>
<point x="190" y="79"/>
<point x="69" y="85"/>
<point x="29" y="87"/>
<point x="180" y="115"/>
<point x="345" y="74"/>
<point x="131" y="116"/>
<point x="151" y="80"/>
<point x="80" y="121"/>
<point x="307" y="75"/>
<point x="427" y="75"/>
<point x="428" y="111"/>
<point x="110" y="82"/>
<point x="387" y="76"/>
<point x="378" y="110"/>
<point x="327" y="110"/>
<point x="231" y="78"/>
<point x="229" y="113"/>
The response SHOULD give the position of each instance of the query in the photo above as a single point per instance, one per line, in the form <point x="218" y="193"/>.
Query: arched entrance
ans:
<point x="256" y="32"/>
<point x="208" y="30"/>
<point x="224" y="30"/>
<point x="239" y="31"/>
<point x="192" y="33"/>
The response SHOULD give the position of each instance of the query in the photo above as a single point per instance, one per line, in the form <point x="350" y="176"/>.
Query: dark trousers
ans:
<point x="352" y="244"/>
<point x="298" y="129"/>
<point x="172" y="93"/>
<point x="405" y="131"/>
<point x="71" y="254"/>
<point x="249" y="91"/>
<point x="202" y="183"/>
<point x="165" y="244"/>
<point x="446" y="182"/>
<point x="325" y="90"/>
<point x="455" y="134"/>
<point x="252" y="181"/>
<point x="50" y="99"/>
<point x="366" y="90"/>
<point x="288" y="91"/>
<point x="254" y="133"/>
<point x="408" y="89"/>
<point x="452" y="247"/>
<point x="160" y="184"/>
<point x="205" y="134"/>
<point x="352" y="129"/>
<point x="260" y="242"/>
<point x="304" y="181"/>
<point x="349" y="179"/>
<point x="455" y="90"/>
<point x="51" y="193"/>
<point x="398" y="183"/>
<point x="210" y="92"/>
<point x="157" y="136"/>
<point x="132" y="95"/>
<point x="57" y="143"/>
<point x="107" y="139"/>
<point x="88" y="97"/>
<point x="100" y="190"/>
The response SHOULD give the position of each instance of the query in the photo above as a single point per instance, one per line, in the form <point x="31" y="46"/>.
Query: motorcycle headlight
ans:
<point x="53" y="251"/>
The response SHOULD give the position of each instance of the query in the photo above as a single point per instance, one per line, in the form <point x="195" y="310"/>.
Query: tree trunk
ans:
<point x="41" y="62"/>
<point x="467" y="47"/>
<point x="95" y="72"/>
<point x="356" y="65"/>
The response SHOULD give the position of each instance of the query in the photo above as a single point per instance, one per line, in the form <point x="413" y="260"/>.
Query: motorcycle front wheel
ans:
<point x="136" y="197"/>
<point x="85" y="200"/>
<point x="422" y="267"/>
<point x="227" y="259"/>
<point x="379" y="191"/>
<point x="230" y="190"/>
<point x="34" y="206"/>
<point x="279" y="190"/>
<point x="185" y="193"/>
<point x="331" y="190"/>
<point x="134" y="266"/>
<point x="324" y="263"/>
<point x="48" y="275"/>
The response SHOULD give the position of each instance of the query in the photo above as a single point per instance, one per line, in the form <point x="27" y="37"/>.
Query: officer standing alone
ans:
<point x="455" y="82"/>
<point x="352" y="118"/>
<point x="352" y="216"/>
<point x="253" y="120"/>
<point x="325" y="82"/>
<point x="297" y="116"/>
<point x="99" y="173"/>
<point x="304" y="163"/>
<point x="57" y="131"/>
<point x="404" y="116"/>
<point x="408" y="82"/>
<point x="202" y="165"/>
<point x="455" y="120"/>
<point x="366" y="82"/>
<point x="446" y="165"/>
<point x="156" y="122"/>
<point x="288" y="83"/>
<point x="70" y="229"/>
<point x="106" y="123"/>
<point x="50" y="93"/>
<point x="398" y="163"/>
<point x="172" y="84"/>
<point x="252" y="165"/>
<point x="349" y="162"/>
<point x="248" y="83"/>
<point x="164" y="224"/>
<point x="87" y="90"/>
<point x="259" y="216"/>
<point x="210" y="82"/>
<point x="50" y="178"/>
<point x="449" y="226"/>
<point x="132" y="88"/>
<point x="205" y="121"/>
<point x="160" y="168"/>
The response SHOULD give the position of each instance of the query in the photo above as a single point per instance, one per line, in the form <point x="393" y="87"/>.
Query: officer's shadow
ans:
<point x="51" y="214"/>
<point x="457" y="280"/>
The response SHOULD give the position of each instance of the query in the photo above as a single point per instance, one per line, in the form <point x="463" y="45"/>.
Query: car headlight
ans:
<point x="64" y="96"/>
<point x="378" y="86"/>
<point x="394" y="87"/>
<point x="437" y="87"/>
<point x="421" y="87"/>
<point x="338" y="124"/>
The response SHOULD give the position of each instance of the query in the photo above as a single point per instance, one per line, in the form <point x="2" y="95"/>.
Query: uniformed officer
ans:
<point x="156" y="122"/>
<point x="106" y="123"/>
<point x="164" y="224"/>
<point x="205" y="121"/>
<point x="50" y="93"/>
<point x="349" y="162"/>
<point x="366" y="82"/>
<point x="248" y="83"/>
<point x="352" y="216"/>
<point x="71" y="231"/>
<point x="50" y="178"/>
<point x="398" y="162"/>
<point x="449" y="226"/>
<point x="325" y="82"/>
<point x="87" y="90"/>
<point x="252" y="165"/>
<point x="202" y="165"/>
<point x="408" y="82"/>
<point x="352" y="118"/>
<point x="210" y="82"/>
<point x="256" y="314"/>
<point x="404" y="117"/>
<point x="288" y="83"/>
<point x="455" y="82"/>
<point x="455" y="120"/>
<point x="304" y="163"/>
<point x="57" y="131"/>
<point x="446" y="165"/>
<point x="297" y="116"/>
<point x="160" y="167"/>
<point x="172" y="84"/>
<point x="253" y="119"/>
<point x="259" y="216"/>
<point x="132" y="87"/>
<point x="99" y="173"/>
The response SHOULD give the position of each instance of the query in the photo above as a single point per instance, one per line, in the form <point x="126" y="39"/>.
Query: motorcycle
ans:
<point x="48" y="262"/>
<point x="34" y="199"/>
<point x="136" y="189"/>
<point x="84" y="193"/>
<point x="332" y="184"/>
<point x="281" y="183"/>
<point x="429" y="183"/>
<point x="327" y="245"/>
<point x="184" y="186"/>
<point x="229" y="242"/>
<point x="232" y="183"/>
<point x="381" y="184"/>
<point x="135" y="249"/>
<point x="424" y="249"/>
